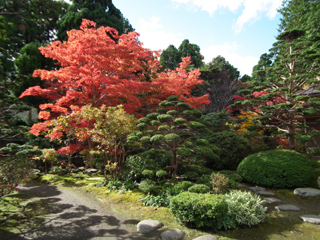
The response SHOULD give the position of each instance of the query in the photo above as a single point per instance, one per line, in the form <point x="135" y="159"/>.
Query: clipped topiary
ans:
<point x="276" y="168"/>
<point x="148" y="173"/>
<point x="161" y="173"/>
<point x="199" y="188"/>
<point x="147" y="185"/>
<point x="199" y="210"/>
<point x="233" y="149"/>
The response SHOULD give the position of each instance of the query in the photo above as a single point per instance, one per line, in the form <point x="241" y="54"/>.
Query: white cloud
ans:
<point x="228" y="51"/>
<point x="154" y="37"/>
<point x="253" y="9"/>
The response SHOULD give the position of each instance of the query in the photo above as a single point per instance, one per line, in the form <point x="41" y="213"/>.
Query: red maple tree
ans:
<point x="99" y="67"/>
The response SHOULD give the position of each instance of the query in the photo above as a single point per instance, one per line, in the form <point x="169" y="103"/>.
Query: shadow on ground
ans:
<point x="48" y="213"/>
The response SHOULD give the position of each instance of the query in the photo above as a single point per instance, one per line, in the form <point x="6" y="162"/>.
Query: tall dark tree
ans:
<point x="289" y="83"/>
<point x="102" y="12"/>
<point x="265" y="62"/>
<point x="221" y="82"/>
<point x="171" y="57"/>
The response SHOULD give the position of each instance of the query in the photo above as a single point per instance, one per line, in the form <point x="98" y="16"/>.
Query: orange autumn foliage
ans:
<point x="97" y="66"/>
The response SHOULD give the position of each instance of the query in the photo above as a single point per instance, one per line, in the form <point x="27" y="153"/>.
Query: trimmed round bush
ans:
<point x="161" y="173"/>
<point x="234" y="149"/>
<point x="199" y="210"/>
<point x="276" y="168"/>
<point x="147" y="185"/>
<point x="199" y="188"/>
<point x="148" y="173"/>
<point x="186" y="184"/>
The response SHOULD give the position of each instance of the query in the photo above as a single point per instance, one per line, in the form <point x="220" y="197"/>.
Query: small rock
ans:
<point x="287" y="207"/>
<point x="91" y="170"/>
<point x="272" y="200"/>
<point x="314" y="219"/>
<point x="265" y="193"/>
<point x="147" y="226"/>
<point x="207" y="237"/>
<point x="257" y="189"/>
<point x="172" y="234"/>
<point x="307" y="192"/>
<point x="240" y="185"/>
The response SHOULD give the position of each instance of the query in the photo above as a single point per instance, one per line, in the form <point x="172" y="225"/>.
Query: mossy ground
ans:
<point x="26" y="212"/>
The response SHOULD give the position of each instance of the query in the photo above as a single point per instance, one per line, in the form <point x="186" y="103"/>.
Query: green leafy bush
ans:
<point x="199" y="188"/>
<point x="199" y="210"/>
<point x="147" y="185"/>
<point x="161" y="173"/>
<point x="186" y="184"/>
<point x="159" y="200"/>
<point x="201" y="170"/>
<point x="276" y="168"/>
<point x="234" y="149"/>
<point x="148" y="173"/>
<point x="206" y="180"/>
<point x="190" y="175"/>
<point x="245" y="208"/>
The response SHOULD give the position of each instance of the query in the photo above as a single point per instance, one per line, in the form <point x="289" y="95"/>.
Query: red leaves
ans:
<point x="71" y="149"/>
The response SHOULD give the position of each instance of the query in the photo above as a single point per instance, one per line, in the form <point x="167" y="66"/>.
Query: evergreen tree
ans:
<point x="102" y="12"/>
<point x="284" y="97"/>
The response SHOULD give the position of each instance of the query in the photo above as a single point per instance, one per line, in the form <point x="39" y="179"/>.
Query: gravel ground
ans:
<point x="76" y="215"/>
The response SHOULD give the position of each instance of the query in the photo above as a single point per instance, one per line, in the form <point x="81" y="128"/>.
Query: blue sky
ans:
<point x="239" y="30"/>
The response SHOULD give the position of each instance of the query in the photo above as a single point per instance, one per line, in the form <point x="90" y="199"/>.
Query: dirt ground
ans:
<point x="66" y="213"/>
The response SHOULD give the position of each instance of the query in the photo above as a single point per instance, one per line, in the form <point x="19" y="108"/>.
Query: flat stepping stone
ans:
<point x="147" y="226"/>
<point x="207" y="237"/>
<point x="314" y="219"/>
<point x="287" y="207"/>
<point x="307" y="192"/>
<point x="257" y="189"/>
<point x="172" y="234"/>
<point x="265" y="193"/>
<point x="272" y="200"/>
<point x="240" y="185"/>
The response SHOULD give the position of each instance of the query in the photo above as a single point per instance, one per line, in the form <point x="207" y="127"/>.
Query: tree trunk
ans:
<point x="292" y="137"/>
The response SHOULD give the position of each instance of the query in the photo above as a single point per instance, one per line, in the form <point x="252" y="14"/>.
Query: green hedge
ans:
<point x="276" y="168"/>
<point x="199" y="210"/>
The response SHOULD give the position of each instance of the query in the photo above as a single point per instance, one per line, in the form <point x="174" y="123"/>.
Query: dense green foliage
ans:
<point x="169" y="132"/>
<point x="276" y="168"/>
<point x="171" y="57"/>
<point x="199" y="188"/>
<point x="199" y="210"/>
<point x="103" y="12"/>
<point x="234" y="149"/>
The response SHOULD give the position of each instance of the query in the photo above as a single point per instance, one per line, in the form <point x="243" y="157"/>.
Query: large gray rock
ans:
<point x="147" y="226"/>
<point x="314" y="219"/>
<point x="172" y="234"/>
<point x="207" y="237"/>
<point x="307" y="192"/>
<point x="287" y="207"/>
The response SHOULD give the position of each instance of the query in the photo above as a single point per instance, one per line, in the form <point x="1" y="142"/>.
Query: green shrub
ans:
<point x="152" y="116"/>
<point x="161" y="173"/>
<point x="148" y="173"/>
<point x="199" y="210"/>
<point x="245" y="208"/>
<point x="155" y="123"/>
<point x="190" y="175"/>
<point x="147" y="185"/>
<point x="173" y="112"/>
<point x="201" y="170"/>
<point x="163" y="128"/>
<point x="202" y="142"/>
<point x="164" y="117"/>
<point x="235" y="177"/>
<point x="276" y="168"/>
<point x="186" y="184"/>
<point x="234" y="149"/>
<point x="171" y="137"/>
<point x="184" y="152"/>
<point x="156" y="138"/>
<point x="179" y="121"/>
<point x="206" y="180"/>
<point x="199" y="188"/>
